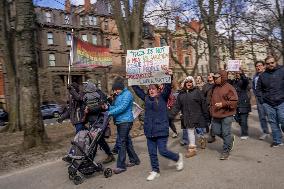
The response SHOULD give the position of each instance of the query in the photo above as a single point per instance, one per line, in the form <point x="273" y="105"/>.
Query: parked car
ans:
<point x="51" y="110"/>
<point x="3" y="117"/>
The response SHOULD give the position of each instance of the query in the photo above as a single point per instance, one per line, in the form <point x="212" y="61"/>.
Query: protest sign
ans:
<point x="234" y="65"/>
<point x="147" y="66"/>
<point x="136" y="110"/>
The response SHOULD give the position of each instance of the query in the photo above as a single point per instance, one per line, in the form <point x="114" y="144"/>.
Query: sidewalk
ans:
<point x="253" y="164"/>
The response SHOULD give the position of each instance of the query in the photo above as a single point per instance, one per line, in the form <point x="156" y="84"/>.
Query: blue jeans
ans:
<point x="159" y="143"/>
<point x="184" y="138"/>
<point x="222" y="128"/>
<point x="242" y="120"/>
<point x="79" y="127"/>
<point x="118" y="142"/>
<point x="275" y="117"/>
<point x="123" y="130"/>
<point x="262" y="118"/>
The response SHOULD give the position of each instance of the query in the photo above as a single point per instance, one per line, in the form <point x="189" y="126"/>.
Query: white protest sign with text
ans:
<point x="147" y="66"/>
<point x="234" y="65"/>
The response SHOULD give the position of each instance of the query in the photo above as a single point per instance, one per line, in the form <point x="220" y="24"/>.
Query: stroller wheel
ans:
<point x="71" y="177"/>
<point x="78" y="180"/>
<point x="107" y="172"/>
<point x="100" y="167"/>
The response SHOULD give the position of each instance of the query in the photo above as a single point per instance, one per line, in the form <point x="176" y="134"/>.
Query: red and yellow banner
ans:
<point x="88" y="55"/>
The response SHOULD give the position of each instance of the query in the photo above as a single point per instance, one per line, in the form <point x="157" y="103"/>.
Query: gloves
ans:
<point x="69" y="86"/>
<point x="59" y="120"/>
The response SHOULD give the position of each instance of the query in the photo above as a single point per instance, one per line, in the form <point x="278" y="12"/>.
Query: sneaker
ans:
<point x="224" y="156"/>
<point x="67" y="159"/>
<point x="114" y="151"/>
<point x="211" y="139"/>
<point x="183" y="143"/>
<point x="203" y="142"/>
<point x="153" y="175"/>
<point x="118" y="170"/>
<point x="131" y="164"/>
<point x="109" y="159"/>
<point x="244" y="137"/>
<point x="233" y="143"/>
<point x="174" y="135"/>
<point x="179" y="164"/>
<point x="263" y="136"/>
<point x="275" y="145"/>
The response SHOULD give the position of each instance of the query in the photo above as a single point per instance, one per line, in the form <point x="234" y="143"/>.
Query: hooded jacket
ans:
<point x="227" y="95"/>
<point x="93" y="99"/>
<point x="270" y="86"/>
<point x="192" y="104"/>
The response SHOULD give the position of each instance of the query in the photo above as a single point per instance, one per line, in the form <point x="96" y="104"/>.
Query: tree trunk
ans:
<point x="34" y="132"/>
<point x="8" y="62"/>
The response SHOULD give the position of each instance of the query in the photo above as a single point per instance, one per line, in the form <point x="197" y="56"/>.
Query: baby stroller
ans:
<point x="83" y="162"/>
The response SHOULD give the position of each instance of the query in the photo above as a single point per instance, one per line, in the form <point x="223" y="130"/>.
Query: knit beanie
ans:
<point x="118" y="84"/>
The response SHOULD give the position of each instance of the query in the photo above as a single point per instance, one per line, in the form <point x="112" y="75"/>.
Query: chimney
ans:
<point x="87" y="6"/>
<point x="67" y="6"/>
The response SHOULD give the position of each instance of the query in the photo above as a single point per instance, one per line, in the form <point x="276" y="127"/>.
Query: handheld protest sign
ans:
<point x="148" y="66"/>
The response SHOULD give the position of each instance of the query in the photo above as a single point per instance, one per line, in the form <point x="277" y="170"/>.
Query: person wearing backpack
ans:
<point x="95" y="100"/>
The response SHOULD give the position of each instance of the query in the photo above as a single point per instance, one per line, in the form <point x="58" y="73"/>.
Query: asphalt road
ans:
<point x="253" y="164"/>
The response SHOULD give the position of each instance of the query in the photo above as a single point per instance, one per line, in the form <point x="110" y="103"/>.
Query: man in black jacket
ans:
<point x="270" y="93"/>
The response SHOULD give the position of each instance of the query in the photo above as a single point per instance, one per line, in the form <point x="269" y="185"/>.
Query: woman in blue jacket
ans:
<point x="156" y="126"/>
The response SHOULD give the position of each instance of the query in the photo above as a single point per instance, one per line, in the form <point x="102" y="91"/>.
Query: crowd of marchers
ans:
<point x="206" y="109"/>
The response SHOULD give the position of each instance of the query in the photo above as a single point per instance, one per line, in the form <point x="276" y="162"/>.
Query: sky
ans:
<point x="58" y="4"/>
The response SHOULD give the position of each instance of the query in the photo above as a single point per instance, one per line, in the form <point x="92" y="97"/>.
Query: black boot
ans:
<point x="211" y="139"/>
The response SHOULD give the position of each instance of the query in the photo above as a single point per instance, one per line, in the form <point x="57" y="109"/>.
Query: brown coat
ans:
<point x="226" y="94"/>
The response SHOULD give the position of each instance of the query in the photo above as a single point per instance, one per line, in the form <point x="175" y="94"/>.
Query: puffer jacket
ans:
<point x="156" y="121"/>
<point x="121" y="110"/>
<point x="270" y="87"/>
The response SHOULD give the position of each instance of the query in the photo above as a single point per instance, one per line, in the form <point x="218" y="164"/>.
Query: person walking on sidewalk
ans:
<point x="121" y="111"/>
<point x="223" y="106"/>
<point x="207" y="88"/>
<point x="156" y="126"/>
<point x="260" y="68"/>
<point x="270" y="93"/>
<point x="241" y="84"/>
<point x="191" y="102"/>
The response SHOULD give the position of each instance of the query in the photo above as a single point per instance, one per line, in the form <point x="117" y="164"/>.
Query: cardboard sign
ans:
<point x="147" y="66"/>
<point x="234" y="65"/>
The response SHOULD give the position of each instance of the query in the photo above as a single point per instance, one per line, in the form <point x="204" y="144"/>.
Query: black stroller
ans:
<point x="84" y="163"/>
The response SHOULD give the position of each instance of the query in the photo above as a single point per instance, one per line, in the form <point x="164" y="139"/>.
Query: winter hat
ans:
<point x="189" y="78"/>
<point x="118" y="84"/>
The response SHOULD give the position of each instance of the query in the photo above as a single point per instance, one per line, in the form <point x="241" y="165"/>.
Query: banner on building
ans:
<point x="234" y="65"/>
<point x="88" y="55"/>
<point x="147" y="66"/>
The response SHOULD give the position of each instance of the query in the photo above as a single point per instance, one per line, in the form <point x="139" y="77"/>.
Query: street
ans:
<point x="253" y="164"/>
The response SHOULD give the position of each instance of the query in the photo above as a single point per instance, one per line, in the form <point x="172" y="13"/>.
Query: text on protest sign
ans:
<point x="147" y="66"/>
<point x="234" y="65"/>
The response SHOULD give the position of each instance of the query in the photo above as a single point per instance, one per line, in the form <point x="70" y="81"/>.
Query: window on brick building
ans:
<point x="68" y="39"/>
<point x="174" y="44"/>
<point x="51" y="59"/>
<point x="185" y="44"/>
<point x="163" y="42"/>
<point x="108" y="43"/>
<point x="186" y="61"/>
<point x="67" y="19"/>
<point x="48" y="17"/>
<point x="106" y="25"/>
<point x="82" y="20"/>
<point x="94" y="39"/>
<point x="92" y="20"/>
<point x="84" y="37"/>
<point x="50" y="38"/>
